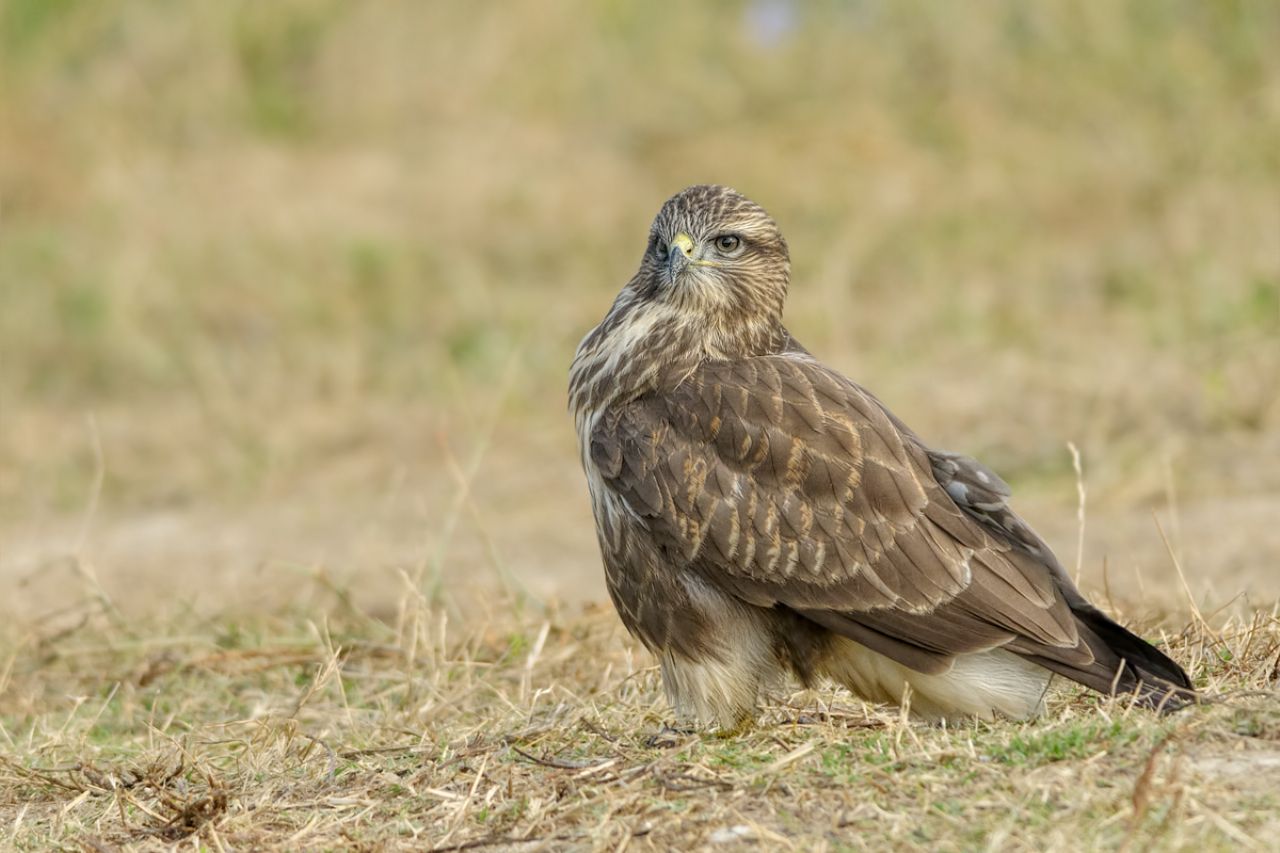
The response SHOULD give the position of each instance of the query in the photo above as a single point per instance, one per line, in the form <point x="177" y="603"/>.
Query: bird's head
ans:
<point x="710" y="286"/>
<point x="717" y="259"/>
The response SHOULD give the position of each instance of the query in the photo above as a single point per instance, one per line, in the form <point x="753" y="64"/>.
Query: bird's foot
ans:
<point x="668" y="737"/>
<point x="741" y="727"/>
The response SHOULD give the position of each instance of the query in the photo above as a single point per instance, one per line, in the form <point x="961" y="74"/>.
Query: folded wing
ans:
<point x="785" y="484"/>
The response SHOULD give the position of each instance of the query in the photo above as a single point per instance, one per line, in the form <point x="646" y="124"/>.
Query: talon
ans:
<point x="667" y="737"/>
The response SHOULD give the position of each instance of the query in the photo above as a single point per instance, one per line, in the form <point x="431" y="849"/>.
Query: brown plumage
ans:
<point x="760" y="515"/>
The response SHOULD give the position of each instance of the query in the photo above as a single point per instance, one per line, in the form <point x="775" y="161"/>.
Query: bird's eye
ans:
<point x="660" y="247"/>
<point x="727" y="244"/>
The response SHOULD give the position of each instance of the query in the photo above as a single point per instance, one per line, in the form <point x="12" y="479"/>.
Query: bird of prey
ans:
<point x="761" y="516"/>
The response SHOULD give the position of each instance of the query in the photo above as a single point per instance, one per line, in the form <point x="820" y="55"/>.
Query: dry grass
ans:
<point x="545" y="731"/>
<point x="288" y="292"/>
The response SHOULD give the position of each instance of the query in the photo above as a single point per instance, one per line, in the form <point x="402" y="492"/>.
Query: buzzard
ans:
<point x="762" y="516"/>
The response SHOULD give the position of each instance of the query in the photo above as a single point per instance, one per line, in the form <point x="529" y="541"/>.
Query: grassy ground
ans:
<point x="288" y="292"/>
<point x="545" y="731"/>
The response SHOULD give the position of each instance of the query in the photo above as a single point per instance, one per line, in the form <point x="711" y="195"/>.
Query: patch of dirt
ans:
<point x="542" y="545"/>
<point x="1257" y="768"/>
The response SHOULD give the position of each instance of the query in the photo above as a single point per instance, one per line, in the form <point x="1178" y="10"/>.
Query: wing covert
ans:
<point x="787" y="484"/>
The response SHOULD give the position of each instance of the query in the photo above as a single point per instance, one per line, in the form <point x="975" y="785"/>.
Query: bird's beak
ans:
<point x="679" y="254"/>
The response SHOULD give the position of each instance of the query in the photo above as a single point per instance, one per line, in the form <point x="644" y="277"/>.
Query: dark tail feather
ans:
<point x="1125" y="663"/>
<point x="1137" y="652"/>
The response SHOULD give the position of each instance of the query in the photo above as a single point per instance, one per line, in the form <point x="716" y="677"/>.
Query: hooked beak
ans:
<point x="679" y="254"/>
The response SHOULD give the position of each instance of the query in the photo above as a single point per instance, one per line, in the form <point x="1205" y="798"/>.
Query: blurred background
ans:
<point x="289" y="290"/>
